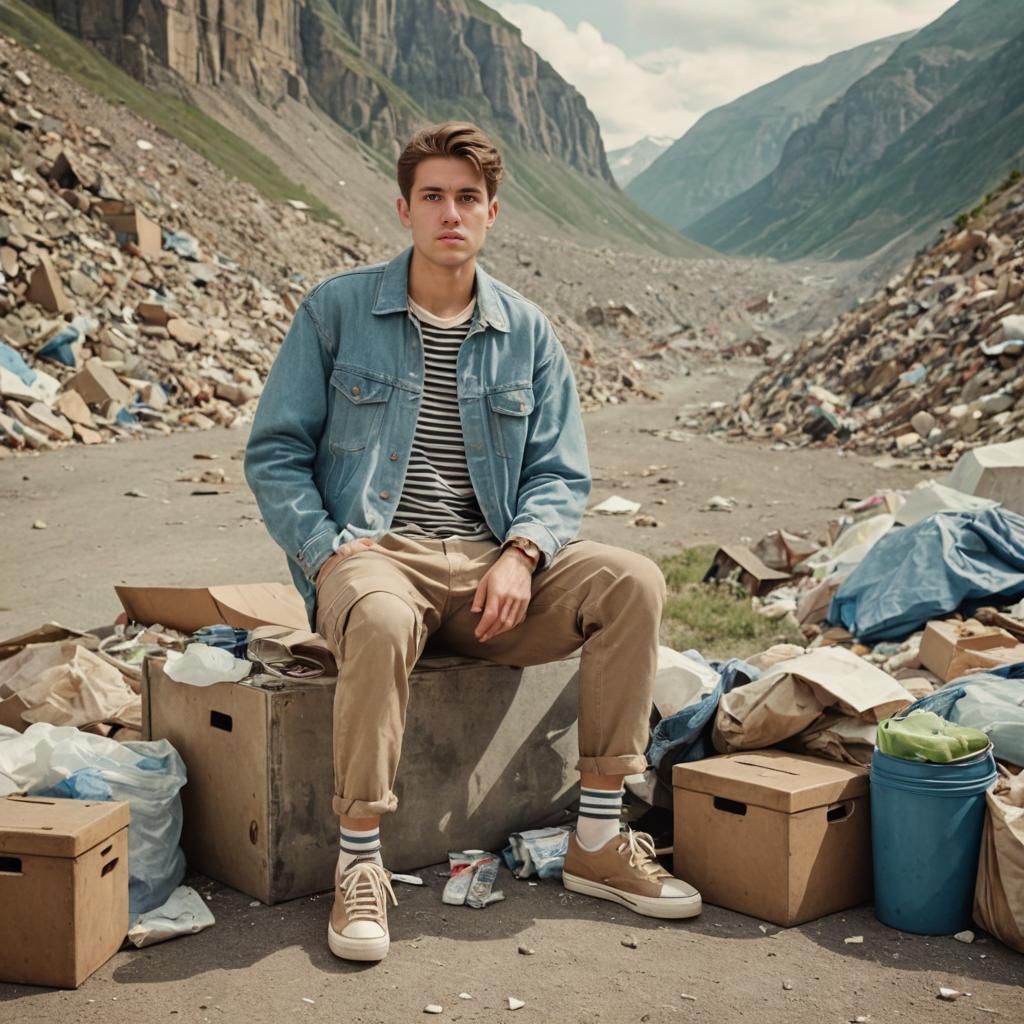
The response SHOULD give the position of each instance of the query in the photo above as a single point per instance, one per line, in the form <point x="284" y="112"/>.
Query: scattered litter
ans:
<point x="472" y="877"/>
<point x="202" y="665"/>
<point x="689" y="998"/>
<point x="406" y="879"/>
<point x="616" y="506"/>
<point x="718" y="503"/>
<point x="184" y="913"/>
<point x="951" y="995"/>
<point x="538" y="851"/>
<point x="306" y="999"/>
<point x="854" y="940"/>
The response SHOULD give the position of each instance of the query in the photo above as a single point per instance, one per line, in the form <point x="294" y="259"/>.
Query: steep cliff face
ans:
<point x="378" y="67"/>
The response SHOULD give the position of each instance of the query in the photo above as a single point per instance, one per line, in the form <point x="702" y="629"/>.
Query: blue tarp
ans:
<point x="686" y="735"/>
<point x="948" y="561"/>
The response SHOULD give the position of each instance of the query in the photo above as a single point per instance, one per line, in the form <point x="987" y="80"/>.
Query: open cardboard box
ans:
<point x="951" y="648"/>
<point x="243" y="605"/>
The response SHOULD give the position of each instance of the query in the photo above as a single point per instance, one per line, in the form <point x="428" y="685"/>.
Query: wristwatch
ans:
<point x="527" y="547"/>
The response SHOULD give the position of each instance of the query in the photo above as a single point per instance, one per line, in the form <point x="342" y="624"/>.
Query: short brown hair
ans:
<point x="451" y="138"/>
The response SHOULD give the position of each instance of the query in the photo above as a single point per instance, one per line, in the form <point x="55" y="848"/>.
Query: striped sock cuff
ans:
<point x="360" y="844"/>
<point x="601" y="803"/>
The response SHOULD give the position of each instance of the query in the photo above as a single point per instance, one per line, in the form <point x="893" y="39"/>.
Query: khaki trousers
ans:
<point x="377" y="607"/>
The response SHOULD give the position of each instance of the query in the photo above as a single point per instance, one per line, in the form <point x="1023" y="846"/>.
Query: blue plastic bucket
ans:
<point x="926" y="822"/>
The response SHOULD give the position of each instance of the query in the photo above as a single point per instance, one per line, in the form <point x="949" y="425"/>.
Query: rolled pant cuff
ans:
<point x="620" y="764"/>
<point x="364" y="808"/>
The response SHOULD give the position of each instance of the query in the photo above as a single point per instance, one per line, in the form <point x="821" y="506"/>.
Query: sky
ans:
<point x="652" y="67"/>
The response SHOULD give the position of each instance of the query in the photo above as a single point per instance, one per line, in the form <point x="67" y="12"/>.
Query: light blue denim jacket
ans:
<point x="331" y="439"/>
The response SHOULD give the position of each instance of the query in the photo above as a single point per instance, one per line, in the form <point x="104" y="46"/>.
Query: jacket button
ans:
<point x="385" y="495"/>
<point x="393" y="456"/>
<point x="357" y="390"/>
<point x="521" y="406"/>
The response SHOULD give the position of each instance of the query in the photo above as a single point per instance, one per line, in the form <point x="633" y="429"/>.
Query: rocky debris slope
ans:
<point x="144" y="290"/>
<point x="927" y="367"/>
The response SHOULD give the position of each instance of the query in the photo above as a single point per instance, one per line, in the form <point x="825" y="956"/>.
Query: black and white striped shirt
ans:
<point x="438" y="498"/>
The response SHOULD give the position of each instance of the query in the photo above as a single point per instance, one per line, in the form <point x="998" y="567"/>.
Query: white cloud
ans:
<point x="713" y="53"/>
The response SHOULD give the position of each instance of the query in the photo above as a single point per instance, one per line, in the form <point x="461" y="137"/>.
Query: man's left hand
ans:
<point x="503" y="595"/>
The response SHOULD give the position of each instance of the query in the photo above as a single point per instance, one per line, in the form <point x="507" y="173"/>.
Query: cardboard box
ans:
<point x="779" y="836"/>
<point x="488" y="750"/>
<point x="951" y="648"/>
<point x="245" y="605"/>
<point x="63" y="888"/>
<point x="751" y="573"/>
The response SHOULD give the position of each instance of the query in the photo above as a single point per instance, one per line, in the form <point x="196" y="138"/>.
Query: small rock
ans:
<point x="465" y="995"/>
<point x="433" y="1008"/>
<point x="951" y="995"/>
<point x="515" y="1004"/>
<point x="691" y="999"/>
<point x="787" y="986"/>
<point x="134" y="493"/>
<point x="967" y="936"/>
<point x="629" y="942"/>
<point x="719" y="503"/>
<point x="39" y="525"/>
<point x="522" y="950"/>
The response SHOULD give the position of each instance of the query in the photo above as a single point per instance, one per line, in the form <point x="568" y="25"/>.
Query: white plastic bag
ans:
<point x="60" y="761"/>
<point x="203" y="665"/>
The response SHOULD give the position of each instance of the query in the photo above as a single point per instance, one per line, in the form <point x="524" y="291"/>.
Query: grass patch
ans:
<point x="714" y="619"/>
<point x="179" y="119"/>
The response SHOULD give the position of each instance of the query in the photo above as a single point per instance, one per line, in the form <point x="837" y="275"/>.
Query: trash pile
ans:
<point x="927" y="367"/>
<point x="138" y="294"/>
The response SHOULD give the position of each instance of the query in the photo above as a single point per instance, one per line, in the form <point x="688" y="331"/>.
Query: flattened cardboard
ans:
<point x="754" y="576"/>
<point x="951" y="648"/>
<point x="745" y="854"/>
<point x="243" y="605"/>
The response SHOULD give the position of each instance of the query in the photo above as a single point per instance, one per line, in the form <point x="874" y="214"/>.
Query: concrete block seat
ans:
<point x="488" y="750"/>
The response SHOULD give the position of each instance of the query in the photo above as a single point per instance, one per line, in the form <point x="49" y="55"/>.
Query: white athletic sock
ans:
<point x="600" y="810"/>
<point x="359" y="845"/>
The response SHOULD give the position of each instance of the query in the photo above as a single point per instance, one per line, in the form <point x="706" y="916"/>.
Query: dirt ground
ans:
<point x="271" y="963"/>
<point x="98" y="535"/>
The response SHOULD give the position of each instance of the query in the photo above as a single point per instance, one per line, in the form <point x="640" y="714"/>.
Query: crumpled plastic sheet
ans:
<point x="948" y="561"/>
<point x="686" y="735"/>
<point x="184" y="913"/>
<point x="538" y="851"/>
<point x="202" y="665"/>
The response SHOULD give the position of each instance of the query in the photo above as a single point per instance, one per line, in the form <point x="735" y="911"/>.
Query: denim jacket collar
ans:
<point x="393" y="293"/>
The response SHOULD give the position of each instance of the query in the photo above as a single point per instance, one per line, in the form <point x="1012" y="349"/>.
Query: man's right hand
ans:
<point x="341" y="554"/>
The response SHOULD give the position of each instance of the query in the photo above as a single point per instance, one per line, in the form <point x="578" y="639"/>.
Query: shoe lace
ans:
<point x="642" y="854"/>
<point x="365" y="888"/>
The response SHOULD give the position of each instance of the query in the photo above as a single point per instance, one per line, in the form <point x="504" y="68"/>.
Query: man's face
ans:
<point x="448" y="211"/>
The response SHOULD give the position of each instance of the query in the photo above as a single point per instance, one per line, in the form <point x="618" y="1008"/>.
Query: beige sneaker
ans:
<point x="626" y="871"/>
<point x="358" y="929"/>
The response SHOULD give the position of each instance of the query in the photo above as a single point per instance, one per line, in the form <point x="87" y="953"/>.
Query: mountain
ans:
<point x="628" y="162"/>
<point x="732" y="147"/>
<point x="852" y="147"/>
<point x="379" y="70"/>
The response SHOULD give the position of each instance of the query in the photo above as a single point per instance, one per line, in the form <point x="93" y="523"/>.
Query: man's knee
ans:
<point x="388" y="617"/>
<point x="640" y="575"/>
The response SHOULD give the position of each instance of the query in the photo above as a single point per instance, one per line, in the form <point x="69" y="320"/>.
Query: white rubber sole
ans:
<point x="358" y="949"/>
<point x="667" y="907"/>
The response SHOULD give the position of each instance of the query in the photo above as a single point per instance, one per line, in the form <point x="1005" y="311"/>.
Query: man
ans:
<point x="419" y="454"/>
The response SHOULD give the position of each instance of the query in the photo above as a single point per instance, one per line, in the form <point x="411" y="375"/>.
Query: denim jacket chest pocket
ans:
<point x="358" y="402"/>
<point x="509" y="411"/>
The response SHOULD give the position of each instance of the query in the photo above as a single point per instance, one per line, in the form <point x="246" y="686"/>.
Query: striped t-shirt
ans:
<point x="438" y="498"/>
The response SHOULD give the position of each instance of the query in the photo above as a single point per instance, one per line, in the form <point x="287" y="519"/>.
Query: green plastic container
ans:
<point x="924" y="736"/>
